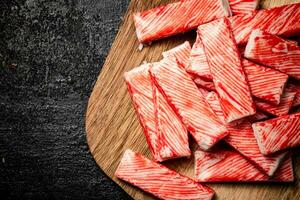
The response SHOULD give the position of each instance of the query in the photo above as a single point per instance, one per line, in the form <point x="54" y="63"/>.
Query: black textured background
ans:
<point x="51" y="52"/>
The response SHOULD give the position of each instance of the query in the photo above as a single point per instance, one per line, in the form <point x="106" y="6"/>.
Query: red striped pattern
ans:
<point x="213" y="100"/>
<point x="181" y="53"/>
<point x="172" y="134"/>
<point x="229" y="166"/>
<point x="177" y="18"/>
<point x="185" y="98"/>
<point x="226" y="69"/>
<point x="284" y="106"/>
<point x="139" y="86"/>
<point x="241" y="137"/>
<point x="198" y="62"/>
<point x="285" y="172"/>
<point x="158" y="180"/>
<point x="295" y="88"/>
<point x="200" y="82"/>
<point x="265" y="83"/>
<point x="283" y="21"/>
<point x="274" y="52"/>
<point x="243" y="6"/>
<point x="277" y="134"/>
<point x="166" y="136"/>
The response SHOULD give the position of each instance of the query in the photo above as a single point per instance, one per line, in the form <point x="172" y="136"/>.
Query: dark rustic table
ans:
<point x="51" y="52"/>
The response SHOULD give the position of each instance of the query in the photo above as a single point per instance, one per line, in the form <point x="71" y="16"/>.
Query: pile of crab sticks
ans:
<point x="239" y="83"/>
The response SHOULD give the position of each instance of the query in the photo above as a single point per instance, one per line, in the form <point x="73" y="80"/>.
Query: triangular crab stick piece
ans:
<point x="241" y="137"/>
<point x="181" y="53"/>
<point x="220" y="165"/>
<point x="227" y="70"/>
<point x="278" y="134"/>
<point x="158" y="180"/>
<point x="156" y="117"/>
<point x="274" y="52"/>
<point x="189" y="104"/>
<point x="265" y="83"/>
<point x="179" y="17"/>
<point x="282" y="108"/>
<point x="283" y="21"/>
<point x="243" y="6"/>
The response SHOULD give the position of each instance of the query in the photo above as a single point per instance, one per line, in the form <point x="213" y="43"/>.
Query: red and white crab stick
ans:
<point x="278" y="134"/>
<point x="282" y="21"/>
<point x="158" y="180"/>
<point x="165" y="134"/>
<point x="275" y="52"/>
<point x="179" y="17"/>
<point x="222" y="165"/>
<point x="226" y="69"/>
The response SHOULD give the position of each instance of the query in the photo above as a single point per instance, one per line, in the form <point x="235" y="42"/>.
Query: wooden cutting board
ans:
<point x="112" y="125"/>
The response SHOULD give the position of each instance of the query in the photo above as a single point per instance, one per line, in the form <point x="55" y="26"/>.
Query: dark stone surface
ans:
<point x="51" y="52"/>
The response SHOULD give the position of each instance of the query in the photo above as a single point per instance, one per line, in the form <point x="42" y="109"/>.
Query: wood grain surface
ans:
<point x="112" y="125"/>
